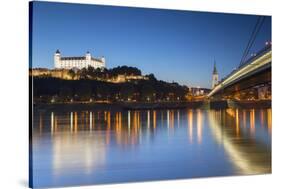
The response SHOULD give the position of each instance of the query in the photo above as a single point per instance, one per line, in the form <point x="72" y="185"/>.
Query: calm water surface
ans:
<point x="94" y="147"/>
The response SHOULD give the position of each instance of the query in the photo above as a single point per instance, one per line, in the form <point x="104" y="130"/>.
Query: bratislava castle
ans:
<point x="77" y="61"/>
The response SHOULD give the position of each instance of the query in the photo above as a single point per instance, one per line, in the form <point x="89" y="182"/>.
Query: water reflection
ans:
<point x="252" y="121"/>
<point x="269" y="120"/>
<point x="247" y="149"/>
<point x="199" y="126"/>
<point x="154" y="119"/>
<point x="237" y="127"/>
<point x="190" y="125"/>
<point x="99" y="146"/>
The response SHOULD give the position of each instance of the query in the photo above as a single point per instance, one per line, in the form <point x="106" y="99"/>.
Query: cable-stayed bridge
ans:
<point x="254" y="73"/>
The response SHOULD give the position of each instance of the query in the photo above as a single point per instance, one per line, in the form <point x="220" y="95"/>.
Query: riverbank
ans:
<point x="118" y="106"/>
<point x="253" y="104"/>
<point x="246" y="104"/>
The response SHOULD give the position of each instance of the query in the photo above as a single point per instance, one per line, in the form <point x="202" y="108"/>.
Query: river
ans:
<point x="95" y="147"/>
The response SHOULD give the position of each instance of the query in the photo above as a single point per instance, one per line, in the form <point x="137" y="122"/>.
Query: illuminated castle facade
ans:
<point x="77" y="62"/>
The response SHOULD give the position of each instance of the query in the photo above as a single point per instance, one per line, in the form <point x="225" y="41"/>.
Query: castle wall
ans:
<point x="77" y="62"/>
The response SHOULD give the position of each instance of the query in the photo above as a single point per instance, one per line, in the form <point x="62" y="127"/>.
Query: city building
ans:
<point x="215" y="76"/>
<point x="126" y="78"/>
<point x="198" y="91"/>
<point x="77" y="62"/>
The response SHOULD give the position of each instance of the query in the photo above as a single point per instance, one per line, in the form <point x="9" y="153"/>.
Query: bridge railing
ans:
<point x="251" y="59"/>
<point x="256" y="56"/>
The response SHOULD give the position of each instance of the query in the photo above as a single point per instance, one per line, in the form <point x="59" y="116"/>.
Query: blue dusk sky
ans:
<point x="174" y="45"/>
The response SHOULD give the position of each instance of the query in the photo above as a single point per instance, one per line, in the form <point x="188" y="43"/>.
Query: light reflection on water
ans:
<point x="121" y="146"/>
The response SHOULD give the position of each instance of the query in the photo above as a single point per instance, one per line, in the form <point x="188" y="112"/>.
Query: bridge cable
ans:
<point x="252" y="39"/>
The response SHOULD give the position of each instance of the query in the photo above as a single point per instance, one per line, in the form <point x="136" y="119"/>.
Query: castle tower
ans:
<point x="88" y="56"/>
<point x="215" y="76"/>
<point x="57" y="57"/>
<point x="88" y="59"/>
<point x="103" y="60"/>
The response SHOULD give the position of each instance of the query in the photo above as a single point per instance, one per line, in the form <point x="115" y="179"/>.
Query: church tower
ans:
<point x="215" y="76"/>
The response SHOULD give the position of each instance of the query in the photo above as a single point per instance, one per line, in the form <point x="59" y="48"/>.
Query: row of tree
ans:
<point x="48" y="89"/>
<point x="104" y="73"/>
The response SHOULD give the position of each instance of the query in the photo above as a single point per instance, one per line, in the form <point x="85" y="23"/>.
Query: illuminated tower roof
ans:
<point x="215" y="69"/>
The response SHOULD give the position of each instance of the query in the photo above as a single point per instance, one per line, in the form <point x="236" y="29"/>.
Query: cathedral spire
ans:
<point x="215" y="68"/>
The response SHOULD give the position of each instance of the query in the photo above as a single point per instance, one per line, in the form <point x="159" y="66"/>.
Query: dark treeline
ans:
<point x="48" y="89"/>
<point x="91" y="73"/>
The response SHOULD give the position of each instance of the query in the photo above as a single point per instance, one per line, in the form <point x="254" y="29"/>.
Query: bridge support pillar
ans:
<point x="218" y="104"/>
